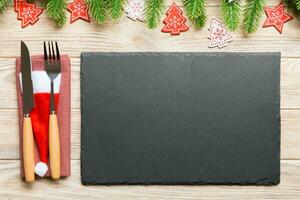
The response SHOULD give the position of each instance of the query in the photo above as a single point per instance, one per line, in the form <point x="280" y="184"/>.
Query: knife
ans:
<point x="28" y="104"/>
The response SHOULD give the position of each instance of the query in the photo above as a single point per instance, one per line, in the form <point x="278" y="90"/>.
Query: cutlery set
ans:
<point x="52" y="66"/>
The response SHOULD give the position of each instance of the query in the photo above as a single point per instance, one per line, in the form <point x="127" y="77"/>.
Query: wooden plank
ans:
<point x="9" y="145"/>
<point x="290" y="137"/>
<point x="290" y="83"/>
<point x="127" y="35"/>
<point x="12" y="187"/>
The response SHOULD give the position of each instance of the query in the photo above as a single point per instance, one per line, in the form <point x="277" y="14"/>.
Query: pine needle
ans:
<point x="3" y="5"/>
<point x="291" y="4"/>
<point x="294" y="4"/>
<point x="116" y="8"/>
<point x="97" y="9"/>
<point x="196" y="12"/>
<point x="231" y="12"/>
<point x="252" y="14"/>
<point x="153" y="10"/>
<point x="56" y="10"/>
<point x="297" y="3"/>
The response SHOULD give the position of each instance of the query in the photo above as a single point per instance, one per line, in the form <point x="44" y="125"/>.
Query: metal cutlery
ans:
<point x="28" y="104"/>
<point x="53" y="67"/>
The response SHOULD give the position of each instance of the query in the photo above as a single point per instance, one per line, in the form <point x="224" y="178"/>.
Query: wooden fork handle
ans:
<point x="54" y="147"/>
<point x="28" y="149"/>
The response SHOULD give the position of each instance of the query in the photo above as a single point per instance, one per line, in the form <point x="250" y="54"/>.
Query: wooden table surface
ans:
<point x="127" y="35"/>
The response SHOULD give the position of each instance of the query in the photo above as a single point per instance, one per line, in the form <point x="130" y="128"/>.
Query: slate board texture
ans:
<point x="180" y="118"/>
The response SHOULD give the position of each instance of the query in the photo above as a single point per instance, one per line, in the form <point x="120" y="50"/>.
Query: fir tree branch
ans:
<point x="153" y="10"/>
<point x="231" y="11"/>
<point x="296" y="3"/>
<point x="97" y="9"/>
<point x="3" y="5"/>
<point x="196" y="12"/>
<point x="116" y="8"/>
<point x="291" y="4"/>
<point x="56" y="10"/>
<point x="252" y="14"/>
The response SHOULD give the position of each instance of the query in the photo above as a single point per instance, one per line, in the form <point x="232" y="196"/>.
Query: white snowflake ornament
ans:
<point x="219" y="36"/>
<point x="135" y="9"/>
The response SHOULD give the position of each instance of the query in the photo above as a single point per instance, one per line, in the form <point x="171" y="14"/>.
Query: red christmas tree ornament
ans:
<point x="79" y="10"/>
<point x="28" y="13"/>
<point x="17" y="4"/>
<point x="174" y="22"/>
<point x="276" y="17"/>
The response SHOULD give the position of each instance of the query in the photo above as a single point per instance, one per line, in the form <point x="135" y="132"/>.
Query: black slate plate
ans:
<point x="180" y="118"/>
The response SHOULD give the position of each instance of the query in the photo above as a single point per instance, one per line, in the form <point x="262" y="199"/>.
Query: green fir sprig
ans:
<point x="252" y="14"/>
<point x="231" y="13"/>
<point x="196" y="12"/>
<point x="153" y="10"/>
<point x="296" y="3"/>
<point x="291" y="4"/>
<point x="97" y="10"/>
<point x="56" y="10"/>
<point x="3" y="5"/>
<point x="115" y="8"/>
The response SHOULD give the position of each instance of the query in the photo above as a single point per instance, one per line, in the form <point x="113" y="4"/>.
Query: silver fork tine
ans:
<point x="49" y="50"/>
<point x="53" y="53"/>
<point x="45" y="52"/>
<point x="57" y="51"/>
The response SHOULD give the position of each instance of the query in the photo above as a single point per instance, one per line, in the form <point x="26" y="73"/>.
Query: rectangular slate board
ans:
<point x="180" y="118"/>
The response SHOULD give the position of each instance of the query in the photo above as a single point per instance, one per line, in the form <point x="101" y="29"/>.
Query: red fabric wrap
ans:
<point x="40" y="115"/>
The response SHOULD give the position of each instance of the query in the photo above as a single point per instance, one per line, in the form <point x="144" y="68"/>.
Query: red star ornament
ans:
<point x="276" y="17"/>
<point x="79" y="10"/>
<point x="174" y="22"/>
<point x="28" y="13"/>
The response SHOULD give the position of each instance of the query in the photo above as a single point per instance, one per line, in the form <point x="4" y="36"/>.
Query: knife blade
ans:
<point x="28" y="105"/>
<point x="28" y="101"/>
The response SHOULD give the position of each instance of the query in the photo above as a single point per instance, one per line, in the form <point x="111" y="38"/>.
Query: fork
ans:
<point x="52" y="66"/>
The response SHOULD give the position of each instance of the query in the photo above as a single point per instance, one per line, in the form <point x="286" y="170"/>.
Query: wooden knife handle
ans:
<point x="28" y="149"/>
<point x="54" y="147"/>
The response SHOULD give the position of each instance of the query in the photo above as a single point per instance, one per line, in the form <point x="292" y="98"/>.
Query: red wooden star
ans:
<point x="79" y="10"/>
<point x="276" y="17"/>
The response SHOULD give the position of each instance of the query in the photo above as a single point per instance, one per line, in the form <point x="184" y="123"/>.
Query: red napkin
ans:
<point x="40" y="113"/>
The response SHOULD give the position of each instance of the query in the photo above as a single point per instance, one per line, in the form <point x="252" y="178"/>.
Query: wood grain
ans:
<point x="71" y="188"/>
<point x="126" y="35"/>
